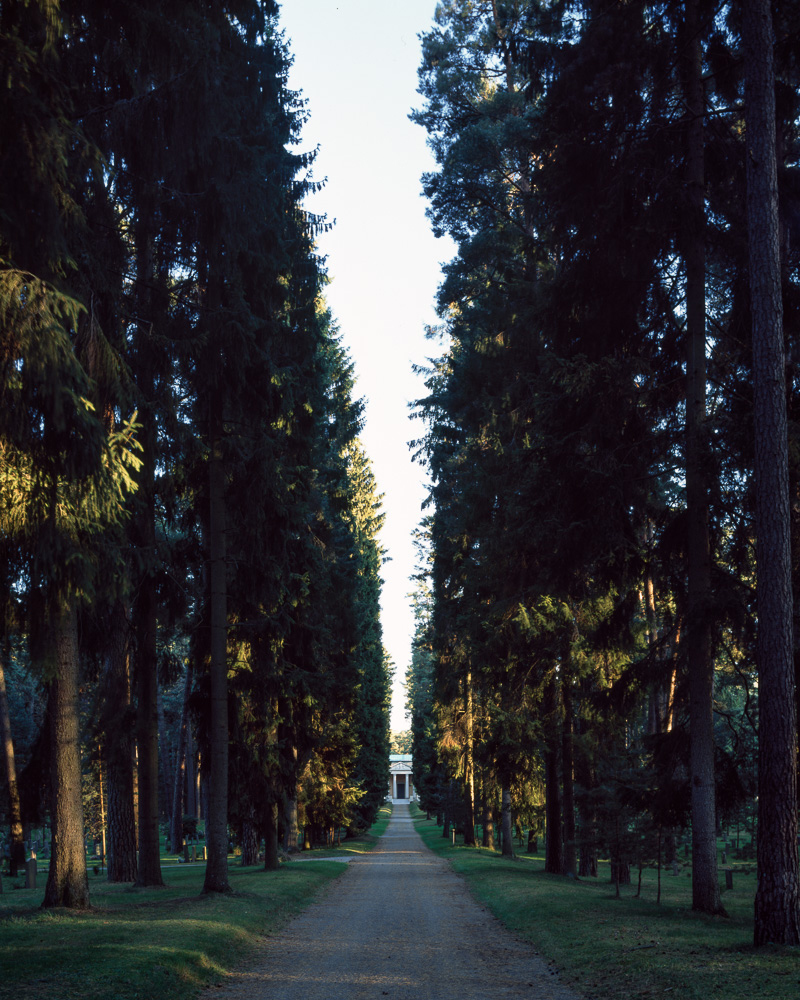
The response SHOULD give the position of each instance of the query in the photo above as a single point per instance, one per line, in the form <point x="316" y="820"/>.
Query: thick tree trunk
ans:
<point x="777" y="912"/>
<point x="67" y="880"/>
<point x="119" y="753"/>
<point x="271" y="859"/>
<point x="249" y="843"/>
<point x="17" y="858"/>
<point x="705" y="882"/>
<point x="176" y="827"/>
<point x="217" y="821"/>
<point x="506" y="823"/>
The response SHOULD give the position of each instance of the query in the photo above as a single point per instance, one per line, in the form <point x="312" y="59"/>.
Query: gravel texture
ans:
<point x="398" y="923"/>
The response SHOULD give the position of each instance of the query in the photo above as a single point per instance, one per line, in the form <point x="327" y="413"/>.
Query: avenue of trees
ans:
<point x="189" y="560"/>
<point x="610" y="557"/>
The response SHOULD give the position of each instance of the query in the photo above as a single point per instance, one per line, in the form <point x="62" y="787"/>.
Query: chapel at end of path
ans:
<point x="401" y="782"/>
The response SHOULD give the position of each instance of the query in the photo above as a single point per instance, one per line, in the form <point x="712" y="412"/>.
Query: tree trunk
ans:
<point x="119" y="752"/>
<point x="249" y="843"/>
<point x="705" y="882"/>
<point x="145" y="609"/>
<point x="506" y="822"/>
<point x="217" y="821"/>
<point x="554" y="857"/>
<point x="176" y="828"/>
<point x="469" y="767"/>
<point x="17" y="858"/>
<point x="271" y="860"/>
<point x="777" y="912"/>
<point x="149" y="873"/>
<point x="166" y="757"/>
<point x="67" y="880"/>
<point x="489" y="798"/>
<point x="569" y="864"/>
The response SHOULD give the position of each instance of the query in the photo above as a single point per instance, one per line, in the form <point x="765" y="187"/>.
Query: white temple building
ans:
<point x="401" y="783"/>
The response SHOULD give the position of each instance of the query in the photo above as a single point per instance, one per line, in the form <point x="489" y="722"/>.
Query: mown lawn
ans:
<point x="153" y="944"/>
<point x="629" y="947"/>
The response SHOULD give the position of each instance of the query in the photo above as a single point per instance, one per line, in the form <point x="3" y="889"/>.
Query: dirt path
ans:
<point x="398" y="923"/>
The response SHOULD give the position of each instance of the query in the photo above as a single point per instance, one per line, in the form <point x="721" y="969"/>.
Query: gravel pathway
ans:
<point x="398" y="923"/>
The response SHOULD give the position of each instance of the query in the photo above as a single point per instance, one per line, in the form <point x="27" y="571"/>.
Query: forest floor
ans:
<point x="607" y="947"/>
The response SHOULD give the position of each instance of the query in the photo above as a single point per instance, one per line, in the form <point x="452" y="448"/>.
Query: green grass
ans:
<point x="609" y="948"/>
<point x="153" y="944"/>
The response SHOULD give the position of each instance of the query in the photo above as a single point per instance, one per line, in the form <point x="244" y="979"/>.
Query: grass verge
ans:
<point x="154" y="944"/>
<point x="629" y="947"/>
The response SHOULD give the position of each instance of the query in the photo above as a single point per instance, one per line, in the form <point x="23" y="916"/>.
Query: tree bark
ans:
<point x="149" y="873"/>
<point x="469" y="766"/>
<point x="119" y="752"/>
<point x="145" y="609"/>
<point x="569" y="864"/>
<point x="176" y="828"/>
<point x="554" y="855"/>
<point x="67" y="880"/>
<point x="705" y="881"/>
<point x="777" y="910"/>
<point x="216" y="879"/>
<point x="249" y="843"/>
<point x="506" y="822"/>
<point x="271" y="860"/>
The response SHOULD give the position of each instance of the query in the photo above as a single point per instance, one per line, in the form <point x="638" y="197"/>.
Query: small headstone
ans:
<point x="30" y="873"/>
<point x="675" y="869"/>
<point x="728" y="878"/>
<point x="724" y="857"/>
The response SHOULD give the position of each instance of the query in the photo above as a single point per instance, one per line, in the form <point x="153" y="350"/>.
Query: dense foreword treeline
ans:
<point x="190" y="562"/>
<point x="605" y="649"/>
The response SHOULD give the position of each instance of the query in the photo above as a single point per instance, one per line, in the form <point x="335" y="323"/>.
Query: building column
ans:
<point x="394" y="787"/>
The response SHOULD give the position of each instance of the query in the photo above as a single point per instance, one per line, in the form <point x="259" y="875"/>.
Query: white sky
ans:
<point x="356" y="63"/>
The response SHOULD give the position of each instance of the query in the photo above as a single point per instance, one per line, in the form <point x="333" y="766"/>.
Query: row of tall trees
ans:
<point x="606" y="430"/>
<point x="182" y="490"/>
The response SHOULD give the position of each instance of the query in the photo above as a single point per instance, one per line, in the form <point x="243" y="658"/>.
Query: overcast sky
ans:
<point x="356" y="63"/>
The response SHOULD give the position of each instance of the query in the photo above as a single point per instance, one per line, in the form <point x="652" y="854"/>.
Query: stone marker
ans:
<point x="30" y="873"/>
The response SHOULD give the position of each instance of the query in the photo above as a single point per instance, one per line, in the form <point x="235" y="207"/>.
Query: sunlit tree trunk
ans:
<point x="777" y="913"/>
<point x="469" y="766"/>
<point x="67" y="880"/>
<point x="15" y="813"/>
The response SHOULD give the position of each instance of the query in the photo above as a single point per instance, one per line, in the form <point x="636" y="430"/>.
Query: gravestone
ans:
<point x="30" y="873"/>
<point x="728" y="878"/>
<point x="675" y="869"/>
